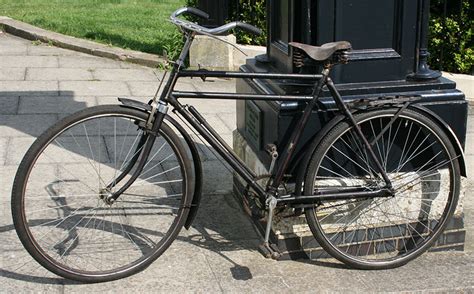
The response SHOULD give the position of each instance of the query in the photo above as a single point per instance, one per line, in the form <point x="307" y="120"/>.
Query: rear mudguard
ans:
<point x="196" y="198"/>
<point x="300" y="164"/>
<point x="449" y="132"/>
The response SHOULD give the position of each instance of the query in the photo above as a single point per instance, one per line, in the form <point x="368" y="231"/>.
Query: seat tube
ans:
<point x="296" y="135"/>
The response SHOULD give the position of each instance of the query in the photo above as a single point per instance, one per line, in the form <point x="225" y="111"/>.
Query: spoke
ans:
<point x="331" y="171"/>
<point x="160" y="162"/>
<point x="383" y="144"/>
<point x="363" y="151"/>
<point x="351" y="159"/>
<point x="88" y="141"/>
<point x="120" y="155"/>
<point x="402" y="156"/>
<point x="154" y="155"/>
<point x="77" y="235"/>
<point x="125" y="161"/>
<point x="62" y="221"/>
<point x="69" y="172"/>
<point x="88" y="159"/>
<point x="393" y="142"/>
<point x="158" y="183"/>
<point x="158" y="174"/>
<point x="56" y="207"/>
<point x="423" y="175"/>
<point x="153" y="196"/>
<point x="414" y="156"/>
<point x="405" y="161"/>
<point x="409" y="225"/>
<point x="375" y="136"/>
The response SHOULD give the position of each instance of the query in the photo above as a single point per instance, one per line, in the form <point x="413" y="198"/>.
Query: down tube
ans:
<point x="234" y="163"/>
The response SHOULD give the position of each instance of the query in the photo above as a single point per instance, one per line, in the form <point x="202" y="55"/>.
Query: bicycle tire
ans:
<point x="383" y="233"/>
<point x="89" y="240"/>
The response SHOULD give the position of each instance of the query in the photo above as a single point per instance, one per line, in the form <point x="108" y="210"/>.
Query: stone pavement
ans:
<point x="40" y="84"/>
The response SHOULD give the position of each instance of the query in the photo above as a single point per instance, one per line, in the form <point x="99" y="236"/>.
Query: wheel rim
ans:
<point x="68" y="221"/>
<point x="384" y="230"/>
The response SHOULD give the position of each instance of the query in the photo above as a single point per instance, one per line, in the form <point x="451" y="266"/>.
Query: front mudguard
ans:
<point x="196" y="198"/>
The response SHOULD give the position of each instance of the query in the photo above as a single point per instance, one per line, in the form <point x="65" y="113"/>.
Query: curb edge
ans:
<point x="29" y="32"/>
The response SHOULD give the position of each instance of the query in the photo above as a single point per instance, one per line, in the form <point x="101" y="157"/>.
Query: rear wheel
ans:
<point x="376" y="233"/>
<point x="59" y="196"/>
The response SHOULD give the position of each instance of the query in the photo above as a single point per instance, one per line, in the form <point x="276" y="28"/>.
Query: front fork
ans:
<point x="146" y="142"/>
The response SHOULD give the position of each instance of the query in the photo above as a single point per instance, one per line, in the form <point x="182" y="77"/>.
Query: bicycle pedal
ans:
<point x="269" y="251"/>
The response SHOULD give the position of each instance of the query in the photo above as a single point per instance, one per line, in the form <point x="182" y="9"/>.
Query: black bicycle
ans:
<point x="105" y="191"/>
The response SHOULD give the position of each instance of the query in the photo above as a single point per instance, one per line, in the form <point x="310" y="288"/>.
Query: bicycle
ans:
<point x="104" y="192"/>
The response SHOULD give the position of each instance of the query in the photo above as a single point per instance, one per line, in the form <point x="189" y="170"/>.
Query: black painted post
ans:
<point x="423" y="71"/>
<point x="219" y="12"/>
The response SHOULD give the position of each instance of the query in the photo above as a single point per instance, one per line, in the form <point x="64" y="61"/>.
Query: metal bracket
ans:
<point x="272" y="151"/>
<point x="363" y="104"/>
<point x="161" y="107"/>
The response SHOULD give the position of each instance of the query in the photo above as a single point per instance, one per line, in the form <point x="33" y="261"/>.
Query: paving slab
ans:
<point x="86" y="62"/>
<point x="9" y="104"/>
<point x="12" y="74"/>
<point x="42" y="49"/>
<point x="29" y="88"/>
<point x="7" y="172"/>
<point x="13" y="49"/>
<point x="28" y="61"/>
<point x="7" y="40"/>
<point x="54" y="104"/>
<point x="94" y="88"/>
<point x="58" y="74"/>
<point x="106" y="74"/>
<point x="3" y="152"/>
<point x="25" y="125"/>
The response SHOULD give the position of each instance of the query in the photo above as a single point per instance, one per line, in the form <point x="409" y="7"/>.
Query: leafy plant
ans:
<point x="451" y="38"/>
<point x="252" y="12"/>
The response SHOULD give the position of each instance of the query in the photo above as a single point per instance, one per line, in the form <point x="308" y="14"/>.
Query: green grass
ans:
<point x="132" y="24"/>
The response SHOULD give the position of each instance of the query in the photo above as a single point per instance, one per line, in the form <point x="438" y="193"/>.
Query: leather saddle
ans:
<point x="324" y="51"/>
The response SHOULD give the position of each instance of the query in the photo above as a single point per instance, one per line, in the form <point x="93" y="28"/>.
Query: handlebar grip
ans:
<point x="191" y="10"/>
<point x="249" y="28"/>
<point x="198" y="12"/>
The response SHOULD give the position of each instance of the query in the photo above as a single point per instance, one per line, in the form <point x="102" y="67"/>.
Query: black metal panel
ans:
<point x="218" y="12"/>
<point x="383" y="35"/>
<point x="440" y="96"/>
<point x="281" y="15"/>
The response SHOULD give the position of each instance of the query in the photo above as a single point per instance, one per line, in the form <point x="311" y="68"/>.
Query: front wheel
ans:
<point x="59" y="200"/>
<point x="378" y="233"/>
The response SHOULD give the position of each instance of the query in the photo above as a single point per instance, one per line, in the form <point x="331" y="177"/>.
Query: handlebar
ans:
<point x="190" y="10"/>
<point x="215" y="31"/>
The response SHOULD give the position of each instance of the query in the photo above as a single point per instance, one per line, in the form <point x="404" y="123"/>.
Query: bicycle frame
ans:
<point x="192" y="116"/>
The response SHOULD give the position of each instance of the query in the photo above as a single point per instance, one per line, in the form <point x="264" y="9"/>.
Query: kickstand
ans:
<point x="270" y="250"/>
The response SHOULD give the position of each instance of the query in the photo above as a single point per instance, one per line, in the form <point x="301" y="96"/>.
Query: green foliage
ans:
<point x="191" y="3"/>
<point x="451" y="39"/>
<point x="132" y="24"/>
<point x="252" y="12"/>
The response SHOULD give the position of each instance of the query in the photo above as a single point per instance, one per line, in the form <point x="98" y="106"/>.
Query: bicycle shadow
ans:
<point x="27" y="114"/>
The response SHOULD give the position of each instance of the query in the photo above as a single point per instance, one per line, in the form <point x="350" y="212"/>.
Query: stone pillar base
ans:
<point x="211" y="53"/>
